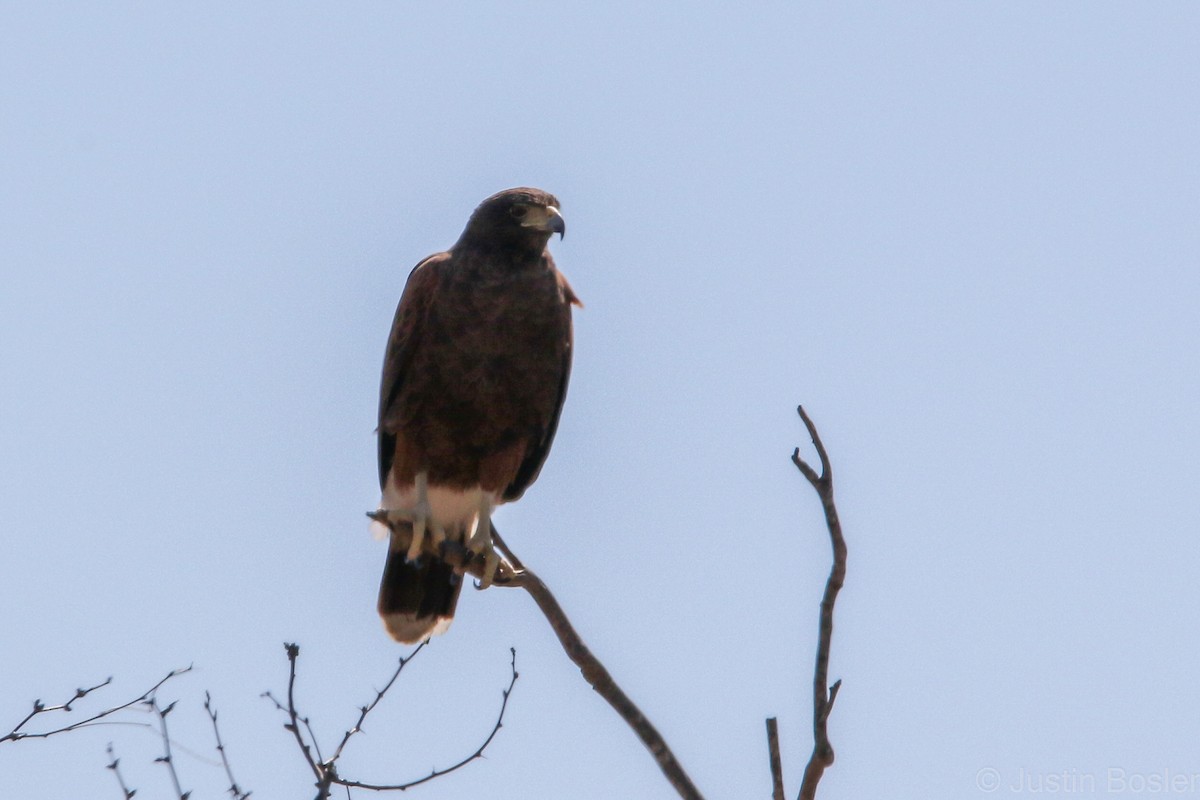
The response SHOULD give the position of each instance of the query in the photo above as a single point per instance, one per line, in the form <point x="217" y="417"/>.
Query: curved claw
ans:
<point x="481" y="544"/>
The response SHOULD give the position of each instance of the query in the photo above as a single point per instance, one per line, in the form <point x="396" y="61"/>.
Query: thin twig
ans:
<point x="234" y="790"/>
<point x="39" y="708"/>
<point x="823" y="694"/>
<point x="325" y="771"/>
<point x="776" y="761"/>
<point x="293" y="724"/>
<point x="115" y="766"/>
<point x="368" y="708"/>
<point x="166" y="758"/>
<point x="437" y="773"/>
<point x="512" y="573"/>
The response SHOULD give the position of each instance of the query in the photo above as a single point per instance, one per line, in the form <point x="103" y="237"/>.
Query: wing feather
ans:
<point x="403" y="341"/>
<point x="536" y="454"/>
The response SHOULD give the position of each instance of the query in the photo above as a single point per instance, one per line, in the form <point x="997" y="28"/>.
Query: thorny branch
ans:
<point x="115" y="766"/>
<point x="234" y="790"/>
<point x="512" y="573"/>
<point x="40" y="708"/>
<point x="367" y="709"/>
<point x="166" y="758"/>
<point x="325" y="771"/>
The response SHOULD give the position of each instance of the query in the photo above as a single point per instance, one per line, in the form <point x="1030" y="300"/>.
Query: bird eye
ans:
<point x="519" y="212"/>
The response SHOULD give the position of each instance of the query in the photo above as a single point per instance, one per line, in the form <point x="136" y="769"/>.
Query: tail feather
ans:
<point x="417" y="598"/>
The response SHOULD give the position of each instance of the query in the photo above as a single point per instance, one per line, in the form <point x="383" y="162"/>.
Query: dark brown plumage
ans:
<point x="473" y="383"/>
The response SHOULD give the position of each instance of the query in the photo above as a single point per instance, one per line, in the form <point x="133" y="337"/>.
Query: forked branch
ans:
<point x="39" y="709"/>
<point x="822" y="693"/>
<point x="167" y="758"/>
<point x="325" y="770"/>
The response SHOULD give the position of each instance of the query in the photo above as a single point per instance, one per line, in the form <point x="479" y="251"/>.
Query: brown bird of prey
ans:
<point x="473" y="383"/>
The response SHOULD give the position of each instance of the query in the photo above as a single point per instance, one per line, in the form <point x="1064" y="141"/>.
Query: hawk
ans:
<point x="473" y="384"/>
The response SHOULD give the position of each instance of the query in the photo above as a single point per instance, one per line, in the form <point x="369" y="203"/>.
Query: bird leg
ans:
<point x="437" y="532"/>
<point x="420" y="516"/>
<point x="481" y="543"/>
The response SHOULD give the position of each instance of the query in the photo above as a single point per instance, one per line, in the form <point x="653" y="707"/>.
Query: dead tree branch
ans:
<point x="367" y="709"/>
<point x="599" y="678"/>
<point x="776" y="760"/>
<point x="166" y="758"/>
<point x="40" y="708"/>
<point x="512" y="573"/>
<point x="823" y="694"/>
<point x="325" y="770"/>
<point x="115" y="766"/>
<point x="234" y="790"/>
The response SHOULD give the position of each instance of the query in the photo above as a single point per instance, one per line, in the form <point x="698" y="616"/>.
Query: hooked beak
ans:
<point x="556" y="222"/>
<point x="546" y="218"/>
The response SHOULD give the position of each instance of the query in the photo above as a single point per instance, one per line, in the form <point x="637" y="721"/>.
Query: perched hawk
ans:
<point x="473" y="382"/>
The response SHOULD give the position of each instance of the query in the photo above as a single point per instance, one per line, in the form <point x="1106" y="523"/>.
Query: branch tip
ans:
<point x="776" y="760"/>
<point x="823" y="694"/>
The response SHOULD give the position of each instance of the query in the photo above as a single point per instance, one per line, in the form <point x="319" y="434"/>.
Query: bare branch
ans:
<point x="115" y="766"/>
<point x="823" y="695"/>
<point x="234" y="790"/>
<point x="512" y="573"/>
<point x="599" y="678"/>
<point x="367" y="709"/>
<point x="161" y="712"/>
<point x="325" y="771"/>
<point x="293" y="724"/>
<point x="776" y="761"/>
<point x="437" y="773"/>
<point x="39" y="708"/>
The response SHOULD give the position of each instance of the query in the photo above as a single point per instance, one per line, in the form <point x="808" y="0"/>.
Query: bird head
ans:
<point x="521" y="219"/>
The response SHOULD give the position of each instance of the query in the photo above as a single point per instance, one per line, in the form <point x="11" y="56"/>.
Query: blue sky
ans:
<point x="962" y="234"/>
